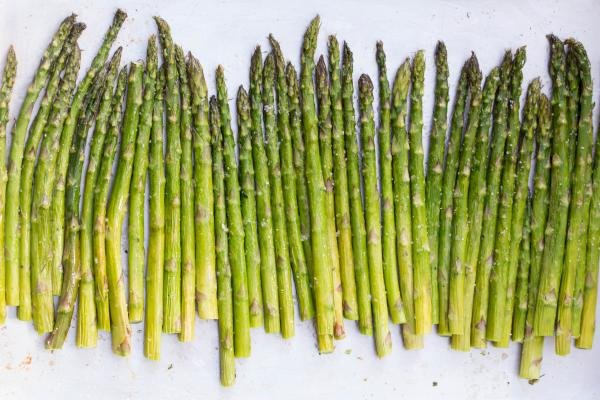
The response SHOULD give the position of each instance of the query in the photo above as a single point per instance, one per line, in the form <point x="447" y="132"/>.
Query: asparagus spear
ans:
<point x="545" y="311"/>
<point x="322" y="279"/>
<point x="288" y="178"/>
<point x="488" y="229"/>
<point x="520" y="309"/>
<point x="435" y="167"/>
<point x="357" y="222"/>
<point x="284" y="278"/>
<point x="120" y="327"/>
<point x="188" y="287"/>
<point x="326" y="153"/>
<point x="101" y="190"/>
<point x="225" y="295"/>
<point x="8" y="80"/>
<point x="58" y="197"/>
<point x="383" y="339"/>
<point x="156" y="241"/>
<point x="268" y="273"/>
<point x="135" y="227"/>
<point x="533" y="346"/>
<point x="87" y="326"/>
<point x="15" y="159"/>
<point x="390" y="267"/>
<point x="206" y="279"/>
<point x="420" y="249"/>
<point x="235" y="228"/>
<point x="402" y="207"/>
<point x="477" y="192"/>
<point x="446" y="207"/>
<point x="340" y="187"/>
<point x="460" y="205"/>
<point x="172" y="277"/>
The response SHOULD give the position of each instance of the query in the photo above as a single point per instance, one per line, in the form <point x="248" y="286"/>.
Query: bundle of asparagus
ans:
<point x="349" y="216"/>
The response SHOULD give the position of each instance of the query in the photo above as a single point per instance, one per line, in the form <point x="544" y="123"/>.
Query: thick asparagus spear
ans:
<point x="357" y="221"/>
<point x="435" y="167"/>
<point x="137" y="190"/>
<point x="533" y="346"/>
<point x="235" y="228"/>
<point x="383" y="339"/>
<point x="326" y="153"/>
<point x="268" y="270"/>
<point x="206" y="278"/>
<point x="225" y="295"/>
<point x="388" y="239"/>
<point x="521" y="291"/>
<point x="15" y="160"/>
<point x="288" y="179"/>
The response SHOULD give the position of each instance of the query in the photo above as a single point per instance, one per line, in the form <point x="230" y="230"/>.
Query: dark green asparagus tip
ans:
<point x="276" y="46"/>
<point x="120" y="16"/>
<point x="242" y="103"/>
<point x="164" y="29"/>
<point x="440" y="50"/>
<point x="520" y="58"/>
<point x="256" y="61"/>
<point x="321" y="69"/>
<point x="77" y="29"/>
<point x="380" y="54"/>
<point x="475" y="75"/>
<point x="333" y="42"/>
<point x="365" y="85"/>
<point x="310" y="36"/>
<point x="347" y="52"/>
<point x="115" y="60"/>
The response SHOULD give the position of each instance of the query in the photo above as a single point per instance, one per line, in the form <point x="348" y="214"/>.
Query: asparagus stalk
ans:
<point x="383" y="339"/>
<point x="101" y="191"/>
<point x="520" y="309"/>
<point x="545" y="311"/>
<point x="447" y="211"/>
<point x="460" y="205"/>
<point x="340" y="187"/>
<point x="15" y="160"/>
<point x="533" y="346"/>
<point x="135" y="227"/>
<point x="156" y="241"/>
<point x="357" y="222"/>
<point x="402" y="206"/>
<point x="9" y="74"/>
<point x="225" y="295"/>
<point x="388" y="240"/>
<point x="58" y="197"/>
<point x="488" y="229"/>
<point x="435" y="167"/>
<point x="288" y="178"/>
<point x="235" y="228"/>
<point x="172" y="276"/>
<point x="268" y="270"/>
<point x="206" y="279"/>
<point x="477" y="192"/>
<point x="326" y="153"/>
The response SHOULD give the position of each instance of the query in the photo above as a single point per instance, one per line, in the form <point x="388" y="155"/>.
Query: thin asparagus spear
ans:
<point x="435" y="167"/>
<point x="533" y="346"/>
<point x="58" y="196"/>
<point x="225" y="295"/>
<point x="326" y="153"/>
<point x="235" y="228"/>
<point x="101" y="190"/>
<point x="268" y="270"/>
<point x="488" y="229"/>
<point x="520" y="309"/>
<point x="87" y="327"/>
<point x="402" y="208"/>
<point x="545" y="311"/>
<point x="390" y="267"/>
<point x="460" y="205"/>
<point x="340" y="187"/>
<point x="172" y="277"/>
<point x="206" y="278"/>
<point x="322" y="279"/>
<point x="447" y="211"/>
<point x="288" y="178"/>
<point x="15" y="159"/>
<point x="8" y="80"/>
<point x="156" y="241"/>
<point x="420" y="248"/>
<point x="137" y="190"/>
<point x="383" y="338"/>
<point x="116" y="209"/>
<point x="357" y="221"/>
<point x="477" y="192"/>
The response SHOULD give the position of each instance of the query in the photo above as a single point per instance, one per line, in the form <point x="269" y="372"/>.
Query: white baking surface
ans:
<point x="226" y="32"/>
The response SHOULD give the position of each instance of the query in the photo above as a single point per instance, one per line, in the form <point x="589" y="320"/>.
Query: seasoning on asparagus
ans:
<point x="521" y="291"/>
